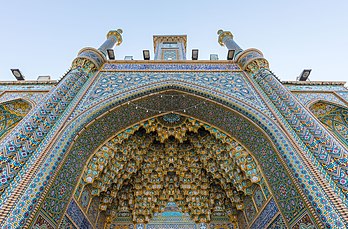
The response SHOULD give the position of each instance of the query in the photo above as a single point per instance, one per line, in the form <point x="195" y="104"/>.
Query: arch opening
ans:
<point x="171" y="160"/>
<point x="262" y="138"/>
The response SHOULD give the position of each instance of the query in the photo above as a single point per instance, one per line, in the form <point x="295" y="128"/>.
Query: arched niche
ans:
<point x="172" y="160"/>
<point x="266" y="142"/>
<point x="334" y="117"/>
<point x="11" y="113"/>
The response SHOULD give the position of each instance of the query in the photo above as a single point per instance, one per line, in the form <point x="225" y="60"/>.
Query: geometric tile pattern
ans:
<point x="77" y="216"/>
<point x="315" y="87"/>
<point x="11" y="113"/>
<point x="308" y="98"/>
<point x="42" y="223"/>
<point x="327" y="151"/>
<point x="27" y="87"/>
<point x="344" y="95"/>
<point x="268" y="176"/>
<point x="258" y="197"/>
<point x="250" y="210"/>
<point x="113" y="83"/>
<point x="170" y="67"/>
<point x="245" y="131"/>
<point x="305" y="221"/>
<point x="67" y="224"/>
<point x="34" y="97"/>
<point x="278" y="223"/>
<point x="16" y="149"/>
<point x="93" y="210"/>
<point x="241" y="220"/>
<point x="85" y="198"/>
<point x="334" y="117"/>
<point x="171" y="218"/>
<point x="266" y="215"/>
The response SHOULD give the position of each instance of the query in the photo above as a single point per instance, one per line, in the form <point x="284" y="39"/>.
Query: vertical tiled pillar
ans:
<point x="325" y="151"/>
<point x="23" y="141"/>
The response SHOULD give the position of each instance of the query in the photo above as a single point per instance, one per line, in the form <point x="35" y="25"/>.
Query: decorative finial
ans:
<point x="223" y="34"/>
<point x="117" y="33"/>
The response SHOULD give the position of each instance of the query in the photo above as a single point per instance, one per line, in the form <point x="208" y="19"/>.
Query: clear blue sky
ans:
<point x="43" y="37"/>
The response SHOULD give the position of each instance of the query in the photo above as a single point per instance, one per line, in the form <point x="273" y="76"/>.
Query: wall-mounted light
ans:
<point x="111" y="54"/>
<point x="194" y="54"/>
<point x="304" y="75"/>
<point x="146" y="54"/>
<point x="17" y="74"/>
<point x="230" y="54"/>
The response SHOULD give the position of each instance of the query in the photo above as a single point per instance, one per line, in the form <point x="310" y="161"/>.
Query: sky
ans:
<point x="43" y="37"/>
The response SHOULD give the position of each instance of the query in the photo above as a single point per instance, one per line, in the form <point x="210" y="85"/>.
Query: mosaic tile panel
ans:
<point x="265" y="189"/>
<point x="34" y="97"/>
<point x="67" y="224"/>
<point x="334" y="117"/>
<point x="77" y="216"/>
<point x="344" y="95"/>
<point x="266" y="216"/>
<point x="71" y="131"/>
<point x="221" y="226"/>
<point x="315" y="87"/>
<point x="278" y="223"/>
<point x="171" y="226"/>
<point x="170" y="67"/>
<point x="258" y="197"/>
<point x="78" y="191"/>
<point x="42" y="223"/>
<point x="323" y="150"/>
<point x="228" y="121"/>
<point x="93" y="210"/>
<point x="19" y="146"/>
<point x="102" y="220"/>
<point x="11" y="113"/>
<point x="171" y="218"/>
<point x="26" y="87"/>
<point x="85" y="198"/>
<point x="121" y="226"/>
<point x="113" y="83"/>
<point x="249" y="209"/>
<point x="307" y="98"/>
<point x="305" y="221"/>
<point x="242" y="223"/>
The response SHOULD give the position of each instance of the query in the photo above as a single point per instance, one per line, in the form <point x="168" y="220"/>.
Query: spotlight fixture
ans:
<point x="230" y="54"/>
<point x="304" y="75"/>
<point x="111" y="54"/>
<point x="17" y="74"/>
<point x="194" y="54"/>
<point x="146" y="54"/>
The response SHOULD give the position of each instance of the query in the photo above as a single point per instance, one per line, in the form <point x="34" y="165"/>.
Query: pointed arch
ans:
<point x="261" y="135"/>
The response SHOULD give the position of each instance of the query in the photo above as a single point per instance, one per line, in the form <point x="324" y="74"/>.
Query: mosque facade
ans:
<point x="173" y="143"/>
